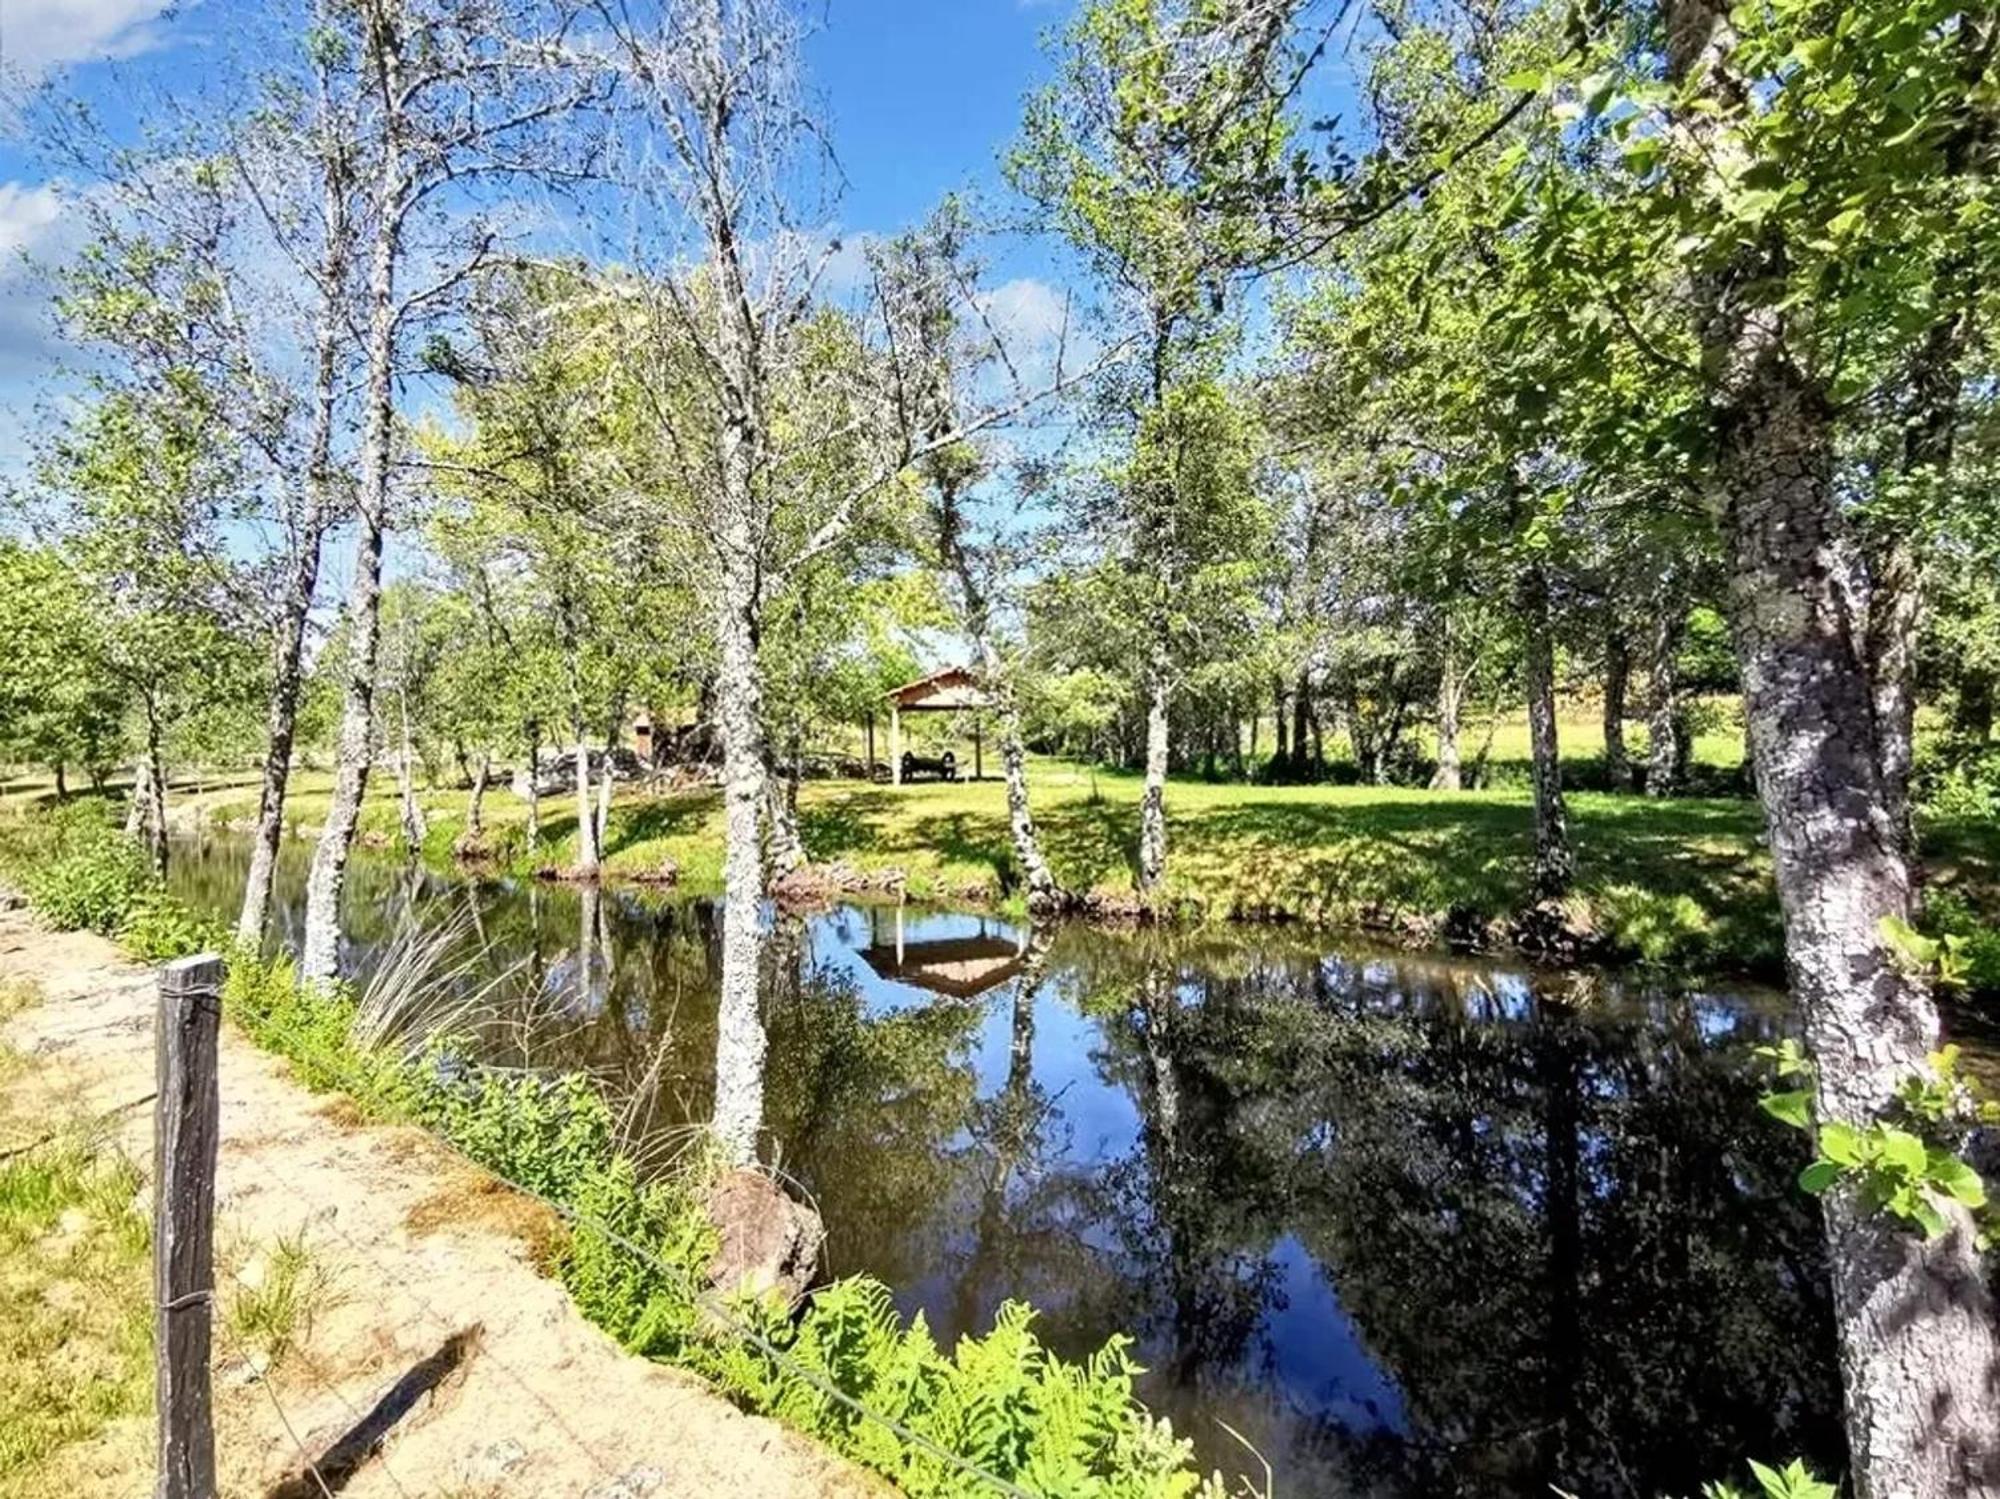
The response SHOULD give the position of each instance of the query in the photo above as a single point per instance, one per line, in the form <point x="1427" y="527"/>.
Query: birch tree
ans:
<point x="1781" y="177"/>
<point x="212" y="256"/>
<point x="459" y="93"/>
<point x="1165" y="152"/>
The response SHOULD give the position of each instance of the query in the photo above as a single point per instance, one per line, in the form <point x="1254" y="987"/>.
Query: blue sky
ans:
<point x="923" y="96"/>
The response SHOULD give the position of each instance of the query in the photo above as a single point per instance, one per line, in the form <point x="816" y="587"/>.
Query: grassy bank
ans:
<point x="76" y="1344"/>
<point x="1684" y="880"/>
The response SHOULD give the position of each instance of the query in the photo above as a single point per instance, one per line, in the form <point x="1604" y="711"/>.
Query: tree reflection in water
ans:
<point x="1410" y="1225"/>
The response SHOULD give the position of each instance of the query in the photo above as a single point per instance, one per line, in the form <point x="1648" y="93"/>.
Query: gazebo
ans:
<point x="958" y="967"/>
<point x="953" y="690"/>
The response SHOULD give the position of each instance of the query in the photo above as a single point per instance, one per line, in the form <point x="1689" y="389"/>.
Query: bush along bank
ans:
<point x="845" y="1368"/>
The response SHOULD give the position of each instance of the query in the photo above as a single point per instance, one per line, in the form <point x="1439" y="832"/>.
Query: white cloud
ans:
<point x="1027" y="312"/>
<point x="38" y="35"/>
<point x="31" y="228"/>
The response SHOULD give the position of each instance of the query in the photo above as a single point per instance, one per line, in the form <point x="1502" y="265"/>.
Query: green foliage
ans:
<point x="1792" y="1481"/>
<point x="1907" y="1165"/>
<point x="1002" y="1403"/>
<point x="1965" y="954"/>
<point x="157" y="927"/>
<point x="77" y="868"/>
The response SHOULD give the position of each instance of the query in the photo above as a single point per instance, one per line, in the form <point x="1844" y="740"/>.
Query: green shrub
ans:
<point x="88" y="880"/>
<point x="157" y="927"/>
<point x="1958" y="778"/>
<point x="1974" y="946"/>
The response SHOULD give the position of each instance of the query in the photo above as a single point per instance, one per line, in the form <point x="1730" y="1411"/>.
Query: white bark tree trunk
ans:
<point x="319" y="958"/>
<point x="475" y="803"/>
<point x="1450" y="709"/>
<point x="1153" y="801"/>
<point x="740" y="1039"/>
<point x="1919" y="1348"/>
<point x="282" y="708"/>
<point x="786" y="849"/>
<point x="1665" y="722"/>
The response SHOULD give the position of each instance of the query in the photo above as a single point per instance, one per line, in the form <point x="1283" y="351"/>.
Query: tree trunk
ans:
<point x="586" y="865"/>
<point x="281" y="715"/>
<point x="415" y="826"/>
<point x="1918" y="1342"/>
<point x="1303" y="717"/>
<point x="786" y="850"/>
<point x="605" y="788"/>
<point x="740" y="1040"/>
<point x="1281" y="758"/>
<point x="1153" y="801"/>
<point x="153" y="823"/>
<point x="281" y="712"/>
<point x="1450" y="708"/>
<point x="1043" y="892"/>
<point x="587" y="861"/>
<point x="1930" y="433"/>
<point x="1555" y="862"/>
<point x="534" y="788"/>
<point x="1617" y="677"/>
<point x="475" y="804"/>
<point x="319" y="957"/>
<point x="62" y="782"/>
<point x="1665" y="720"/>
<point x="135" y="804"/>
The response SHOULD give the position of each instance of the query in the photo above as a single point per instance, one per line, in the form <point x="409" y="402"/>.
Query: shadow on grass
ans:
<point x="644" y="822"/>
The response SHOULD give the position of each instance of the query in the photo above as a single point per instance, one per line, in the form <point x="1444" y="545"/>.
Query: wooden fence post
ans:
<point x="186" y="1126"/>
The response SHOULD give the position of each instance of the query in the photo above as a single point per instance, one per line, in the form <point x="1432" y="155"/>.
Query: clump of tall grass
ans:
<point x="430" y="982"/>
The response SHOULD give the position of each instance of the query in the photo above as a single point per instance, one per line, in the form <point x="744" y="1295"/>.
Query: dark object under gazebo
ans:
<point x="954" y="690"/>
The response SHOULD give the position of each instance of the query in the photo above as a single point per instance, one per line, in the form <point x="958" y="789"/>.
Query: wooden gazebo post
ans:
<point x="895" y="743"/>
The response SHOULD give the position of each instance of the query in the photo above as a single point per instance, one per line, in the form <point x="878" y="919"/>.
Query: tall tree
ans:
<point x="1165" y="151"/>
<point x="457" y="92"/>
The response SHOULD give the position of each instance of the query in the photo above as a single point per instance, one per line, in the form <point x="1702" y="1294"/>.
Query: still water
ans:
<point x="1409" y="1224"/>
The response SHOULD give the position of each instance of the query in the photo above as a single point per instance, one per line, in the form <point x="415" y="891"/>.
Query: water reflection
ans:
<point x="1409" y="1225"/>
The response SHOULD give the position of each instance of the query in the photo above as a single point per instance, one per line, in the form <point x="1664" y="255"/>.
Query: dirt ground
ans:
<point x="421" y="1293"/>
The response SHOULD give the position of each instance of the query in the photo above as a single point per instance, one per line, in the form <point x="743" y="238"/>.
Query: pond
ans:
<point x="1409" y="1224"/>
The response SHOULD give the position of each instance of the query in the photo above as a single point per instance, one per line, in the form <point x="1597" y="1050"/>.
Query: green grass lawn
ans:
<point x="1669" y="879"/>
<point x="1685" y="879"/>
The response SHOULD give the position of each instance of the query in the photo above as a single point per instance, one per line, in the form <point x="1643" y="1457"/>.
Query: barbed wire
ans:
<point x="449" y="1326"/>
<point x="313" y="1368"/>
<point x="306" y="1464"/>
<point x="708" y="1300"/>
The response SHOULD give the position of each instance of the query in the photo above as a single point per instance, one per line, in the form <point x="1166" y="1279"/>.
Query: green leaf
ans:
<point x="1927" y="1216"/>
<point x="1956" y="1179"/>
<point x="1527" y="80"/>
<point x="1840" y="1142"/>
<point x="1820" y="1175"/>
<point x="1794" y="1108"/>
<point x="1903" y="1151"/>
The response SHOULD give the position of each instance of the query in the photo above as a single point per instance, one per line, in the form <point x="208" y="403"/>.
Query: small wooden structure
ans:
<point x="959" y="967"/>
<point x="954" y="690"/>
